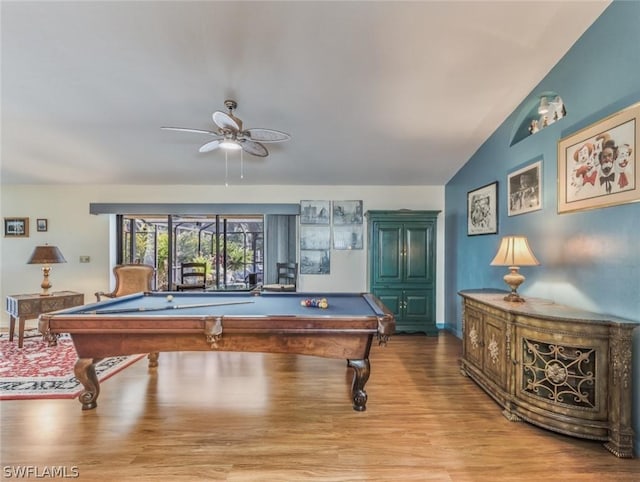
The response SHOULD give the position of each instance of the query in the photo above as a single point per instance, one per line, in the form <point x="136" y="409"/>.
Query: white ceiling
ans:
<point x="372" y="93"/>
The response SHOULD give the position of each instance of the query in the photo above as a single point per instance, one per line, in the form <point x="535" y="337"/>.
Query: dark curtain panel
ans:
<point x="280" y="241"/>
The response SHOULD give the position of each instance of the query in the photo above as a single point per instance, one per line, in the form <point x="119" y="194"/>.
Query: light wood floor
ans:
<point x="256" y="417"/>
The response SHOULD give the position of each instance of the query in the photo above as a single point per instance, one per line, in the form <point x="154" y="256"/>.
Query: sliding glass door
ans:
<point x="232" y="247"/>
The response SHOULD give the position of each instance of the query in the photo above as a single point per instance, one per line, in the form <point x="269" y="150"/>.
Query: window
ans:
<point x="231" y="246"/>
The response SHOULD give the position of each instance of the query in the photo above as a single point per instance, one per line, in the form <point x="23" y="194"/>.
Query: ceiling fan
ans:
<point x="231" y="135"/>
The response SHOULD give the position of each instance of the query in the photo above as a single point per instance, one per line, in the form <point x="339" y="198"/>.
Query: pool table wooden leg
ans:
<point x="362" y="370"/>
<point x="85" y="371"/>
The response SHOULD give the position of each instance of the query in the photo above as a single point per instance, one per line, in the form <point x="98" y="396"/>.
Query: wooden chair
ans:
<point x="287" y="278"/>
<point x="193" y="276"/>
<point x="130" y="278"/>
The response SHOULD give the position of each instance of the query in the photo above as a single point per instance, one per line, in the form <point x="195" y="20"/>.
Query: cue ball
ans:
<point x="170" y="298"/>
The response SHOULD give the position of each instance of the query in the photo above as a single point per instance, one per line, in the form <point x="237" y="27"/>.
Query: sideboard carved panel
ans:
<point x="561" y="368"/>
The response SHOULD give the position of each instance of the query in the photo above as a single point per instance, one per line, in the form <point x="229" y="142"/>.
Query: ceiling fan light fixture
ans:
<point x="230" y="145"/>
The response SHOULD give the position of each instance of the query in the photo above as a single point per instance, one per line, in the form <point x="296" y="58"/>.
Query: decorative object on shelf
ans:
<point x="315" y="212"/>
<point x="482" y="210"/>
<point x="537" y="112"/>
<point x="42" y="225"/>
<point x="16" y="227"/>
<point x="597" y="166"/>
<point x="46" y="255"/>
<point x="550" y="109"/>
<point x="524" y="189"/>
<point x="514" y="252"/>
<point x="230" y="135"/>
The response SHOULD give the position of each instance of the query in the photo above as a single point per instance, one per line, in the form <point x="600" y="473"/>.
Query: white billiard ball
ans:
<point x="169" y="297"/>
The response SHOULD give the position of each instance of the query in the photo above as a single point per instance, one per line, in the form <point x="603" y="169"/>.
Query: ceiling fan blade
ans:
<point x="210" y="146"/>
<point x="187" y="129"/>
<point x="254" y="148"/>
<point x="225" y="121"/>
<point x="267" y="135"/>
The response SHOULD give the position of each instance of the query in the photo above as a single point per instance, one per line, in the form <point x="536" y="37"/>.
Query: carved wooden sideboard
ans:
<point x="557" y="367"/>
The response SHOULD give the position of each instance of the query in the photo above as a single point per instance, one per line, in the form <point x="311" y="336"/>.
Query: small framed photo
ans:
<point x="348" y="236"/>
<point x="315" y="261"/>
<point x="524" y="189"/>
<point x="315" y="237"/>
<point x="598" y="165"/>
<point x="41" y="225"/>
<point x="315" y="212"/>
<point x="482" y="210"/>
<point x="347" y="212"/>
<point x="16" y="227"/>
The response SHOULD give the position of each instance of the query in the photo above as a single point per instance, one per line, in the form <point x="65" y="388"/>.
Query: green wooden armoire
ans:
<point x="402" y="266"/>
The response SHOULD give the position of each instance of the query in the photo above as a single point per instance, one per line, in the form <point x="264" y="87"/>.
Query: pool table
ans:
<point x="153" y="322"/>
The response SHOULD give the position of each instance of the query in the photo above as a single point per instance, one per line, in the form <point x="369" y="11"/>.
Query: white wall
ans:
<point x="77" y="233"/>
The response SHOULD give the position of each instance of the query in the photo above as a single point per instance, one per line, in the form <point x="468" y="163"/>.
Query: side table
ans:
<point x="30" y="306"/>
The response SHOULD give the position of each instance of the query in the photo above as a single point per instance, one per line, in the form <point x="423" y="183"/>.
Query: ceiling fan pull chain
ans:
<point x="241" y="165"/>
<point x="226" y="169"/>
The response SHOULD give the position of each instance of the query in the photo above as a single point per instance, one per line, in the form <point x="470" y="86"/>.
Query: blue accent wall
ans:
<point x="589" y="259"/>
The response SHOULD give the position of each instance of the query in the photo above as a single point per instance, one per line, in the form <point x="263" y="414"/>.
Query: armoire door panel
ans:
<point x="388" y="267"/>
<point x="419" y="253"/>
<point x="392" y="299"/>
<point x="416" y="305"/>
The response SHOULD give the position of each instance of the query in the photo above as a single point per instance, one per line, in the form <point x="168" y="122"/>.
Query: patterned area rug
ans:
<point x="38" y="371"/>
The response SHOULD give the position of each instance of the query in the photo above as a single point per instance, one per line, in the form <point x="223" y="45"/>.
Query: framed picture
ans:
<point x="16" y="227"/>
<point x="315" y="261"/>
<point x="41" y="225"/>
<point x="348" y="236"/>
<point x="524" y="189"/>
<point x="598" y="165"/>
<point x="482" y="210"/>
<point x="315" y="212"/>
<point x="347" y="212"/>
<point x="315" y="237"/>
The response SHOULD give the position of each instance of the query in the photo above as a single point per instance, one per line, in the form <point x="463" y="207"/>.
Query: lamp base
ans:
<point x="514" y="297"/>
<point x="46" y="284"/>
<point x="514" y="279"/>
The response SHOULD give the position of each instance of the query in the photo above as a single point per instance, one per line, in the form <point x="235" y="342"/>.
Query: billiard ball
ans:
<point x="169" y="298"/>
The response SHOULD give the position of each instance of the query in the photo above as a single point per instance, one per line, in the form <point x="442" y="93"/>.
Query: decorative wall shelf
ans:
<point x="538" y="113"/>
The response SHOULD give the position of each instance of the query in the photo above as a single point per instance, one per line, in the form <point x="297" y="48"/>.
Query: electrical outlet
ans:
<point x="85" y="259"/>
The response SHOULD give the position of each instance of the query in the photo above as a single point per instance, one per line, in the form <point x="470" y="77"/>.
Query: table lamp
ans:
<point x="514" y="252"/>
<point x="46" y="255"/>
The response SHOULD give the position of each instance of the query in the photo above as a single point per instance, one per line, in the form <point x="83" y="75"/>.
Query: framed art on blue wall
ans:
<point x="482" y="210"/>
<point x="524" y="189"/>
<point x="598" y="165"/>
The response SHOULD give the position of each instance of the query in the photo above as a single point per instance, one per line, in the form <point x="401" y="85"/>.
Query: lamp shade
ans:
<point x="514" y="251"/>
<point x="46" y="255"/>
